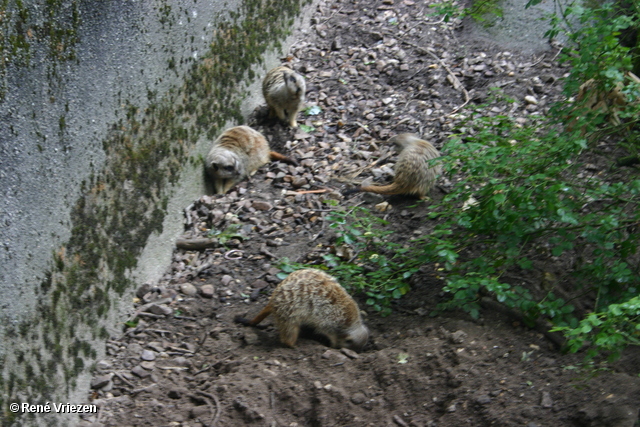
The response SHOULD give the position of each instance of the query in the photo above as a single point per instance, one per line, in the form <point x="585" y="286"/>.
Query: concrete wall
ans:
<point x="106" y="109"/>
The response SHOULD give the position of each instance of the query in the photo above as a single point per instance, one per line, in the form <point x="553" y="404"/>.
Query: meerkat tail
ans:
<point x="281" y="157"/>
<point x="350" y="191"/>
<point x="387" y="190"/>
<point x="256" y="320"/>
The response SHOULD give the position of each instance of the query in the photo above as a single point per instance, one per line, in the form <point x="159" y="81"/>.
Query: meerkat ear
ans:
<point x="237" y="164"/>
<point x="213" y="166"/>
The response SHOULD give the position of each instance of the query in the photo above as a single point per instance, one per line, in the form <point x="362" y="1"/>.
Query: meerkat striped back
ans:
<point x="312" y="298"/>
<point x="415" y="171"/>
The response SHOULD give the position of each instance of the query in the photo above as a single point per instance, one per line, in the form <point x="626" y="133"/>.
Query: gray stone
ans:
<point x="181" y="361"/>
<point x="149" y="366"/>
<point x="160" y="309"/>
<point x="140" y="372"/>
<point x="458" y="337"/>
<point x="188" y="289"/>
<point x="483" y="399"/>
<point x="143" y="290"/>
<point x="100" y="381"/>
<point x="261" y="205"/>
<point x="148" y="355"/>
<point x="358" y="398"/>
<point x="207" y="291"/>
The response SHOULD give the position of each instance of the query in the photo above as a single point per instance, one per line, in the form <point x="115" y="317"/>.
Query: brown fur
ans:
<point x="415" y="173"/>
<point x="284" y="91"/>
<point x="237" y="154"/>
<point x="314" y="299"/>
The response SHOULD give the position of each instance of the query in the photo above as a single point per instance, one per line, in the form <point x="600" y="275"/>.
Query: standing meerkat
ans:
<point x="415" y="171"/>
<point x="312" y="298"/>
<point x="236" y="155"/>
<point x="284" y="91"/>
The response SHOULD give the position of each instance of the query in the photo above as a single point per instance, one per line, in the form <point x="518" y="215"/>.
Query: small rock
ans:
<point x="529" y="99"/>
<point x="148" y="355"/>
<point x="100" y="381"/>
<point x="160" y="309"/>
<point x="358" y="398"/>
<point x="156" y="346"/>
<point x="458" y="337"/>
<point x="104" y="364"/>
<point x="226" y="279"/>
<point x="548" y="78"/>
<point x="149" y="366"/>
<point x="328" y="354"/>
<point x="143" y="290"/>
<point x="175" y="394"/>
<point x="334" y="356"/>
<point x="259" y="284"/>
<point x="546" y="401"/>
<point x="188" y="289"/>
<point x="299" y="181"/>
<point x="181" y="361"/>
<point x="382" y="207"/>
<point x="261" y="205"/>
<point x="207" y="291"/>
<point x="483" y="399"/>
<point x="139" y="371"/>
<point x="452" y="408"/>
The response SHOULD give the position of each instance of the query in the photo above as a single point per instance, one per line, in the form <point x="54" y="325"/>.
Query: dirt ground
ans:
<point x="374" y="69"/>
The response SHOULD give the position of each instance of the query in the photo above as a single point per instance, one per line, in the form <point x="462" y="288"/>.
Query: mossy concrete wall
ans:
<point x="106" y="111"/>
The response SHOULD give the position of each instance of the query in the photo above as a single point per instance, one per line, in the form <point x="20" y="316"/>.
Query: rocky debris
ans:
<point x="101" y="381"/>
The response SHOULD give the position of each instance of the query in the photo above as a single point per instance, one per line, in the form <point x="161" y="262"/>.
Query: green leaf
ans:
<point x="313" y="110"/>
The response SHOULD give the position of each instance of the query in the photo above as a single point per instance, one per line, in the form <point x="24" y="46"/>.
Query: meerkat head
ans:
<point x="295" y="84"/>
<point x="356" y="337"/>
<point x="404" y="139"/>
<point x="225" y="165"/>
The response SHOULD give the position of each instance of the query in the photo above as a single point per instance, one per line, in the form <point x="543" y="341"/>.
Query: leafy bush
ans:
<point x="363" y="260"/>
<point x="525" y="200"/>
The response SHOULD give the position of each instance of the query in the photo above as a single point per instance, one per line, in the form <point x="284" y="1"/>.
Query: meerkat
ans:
<point x="415" y="171"/>
<point x="312" y="298"/>
<point x="236" y="155"/>
<point x="284" y="91"/>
